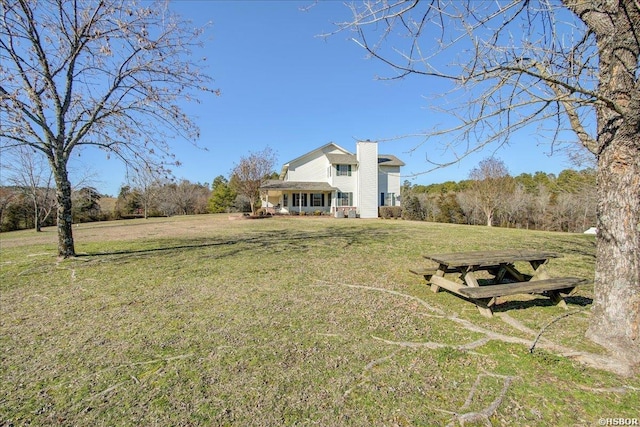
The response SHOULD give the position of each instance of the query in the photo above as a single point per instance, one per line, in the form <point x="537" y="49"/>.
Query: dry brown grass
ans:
<point x="285" y="321"/>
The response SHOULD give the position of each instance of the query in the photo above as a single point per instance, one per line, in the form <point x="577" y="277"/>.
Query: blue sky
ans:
<point x="284" y="87"/>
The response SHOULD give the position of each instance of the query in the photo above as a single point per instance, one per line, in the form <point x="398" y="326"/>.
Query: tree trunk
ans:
<point x="615" y="322"/>
<point x="36" y="215"/>
<point x="66" y="246"/>
<point x="489" y="214"/>
<point x="616" y="309"/>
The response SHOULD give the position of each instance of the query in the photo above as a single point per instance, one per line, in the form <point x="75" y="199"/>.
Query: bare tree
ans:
<point x="109" y="74"/>
<point x="515" y="205"/>
<point x="491" y="185"/>
<point x="540" y="208"/>
<point x="149" y="183"/>
<point x="183" y="198"/>
<point x="429" y="206"/>
<point x="564" y="65"/>
<point x="469" y="205"/>
<point x="251" y="172"/>
<point x="30" y="173"/>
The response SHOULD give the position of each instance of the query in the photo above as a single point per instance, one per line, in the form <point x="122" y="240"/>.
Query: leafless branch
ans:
<point x="504" y="84"/>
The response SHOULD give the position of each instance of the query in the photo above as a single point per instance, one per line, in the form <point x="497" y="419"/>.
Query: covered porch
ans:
<point x="297" y="197"/>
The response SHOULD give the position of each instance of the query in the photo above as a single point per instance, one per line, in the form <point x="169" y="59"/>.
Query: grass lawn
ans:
<point x="200" y="320"/>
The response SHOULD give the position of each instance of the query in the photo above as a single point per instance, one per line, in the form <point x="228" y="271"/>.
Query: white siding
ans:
<point x="312" y="167"/>
<point x="367" y="153"/>
<point x="315" y="169"/>
<point x="389" y="181"/>
<point x="345" y="184"/>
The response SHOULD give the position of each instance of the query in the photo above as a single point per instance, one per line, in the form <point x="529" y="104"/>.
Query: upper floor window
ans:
<point x="343" y="170"/>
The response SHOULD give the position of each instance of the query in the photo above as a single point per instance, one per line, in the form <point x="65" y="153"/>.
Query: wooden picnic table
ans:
<point x="506" y="278"/>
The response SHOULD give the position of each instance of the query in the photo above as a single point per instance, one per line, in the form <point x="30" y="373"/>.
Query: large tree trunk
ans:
<point x="66" y="247"/>
<point x="616" y="310"/>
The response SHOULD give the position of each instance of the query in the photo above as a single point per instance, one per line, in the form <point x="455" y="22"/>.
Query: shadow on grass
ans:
<point x="276" y="241"/>
<point x="570" y="245"/>
<point x="540" y="302"/>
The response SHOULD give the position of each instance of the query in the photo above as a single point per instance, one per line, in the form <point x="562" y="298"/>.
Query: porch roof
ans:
<point x="279" y="185"/>
<point x="342" y="159"/>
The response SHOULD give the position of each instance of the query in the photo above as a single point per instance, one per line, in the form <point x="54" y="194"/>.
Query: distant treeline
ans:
<point x="543" y="201"/>
<point x="28" y="207"/>
<point x="35" y="207"/>
<point x="566" y="202"/>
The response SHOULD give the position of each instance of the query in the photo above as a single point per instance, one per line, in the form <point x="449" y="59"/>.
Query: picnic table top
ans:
<point x="484" y="258"/>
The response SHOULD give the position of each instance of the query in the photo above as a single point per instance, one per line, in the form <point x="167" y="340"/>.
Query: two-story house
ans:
<point x="333" y="180"/>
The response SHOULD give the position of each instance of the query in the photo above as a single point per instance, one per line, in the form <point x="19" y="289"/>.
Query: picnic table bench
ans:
<point x="507" y="279"/>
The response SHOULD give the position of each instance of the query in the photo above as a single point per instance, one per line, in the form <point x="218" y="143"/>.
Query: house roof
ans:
<point x="389" y="160"/>
<point x="324" y="148"/>
<point x="276" y="184"/>
<point x="342" y="159"/>
<point x="351" y="159"/>
<point x="327" y="147"/>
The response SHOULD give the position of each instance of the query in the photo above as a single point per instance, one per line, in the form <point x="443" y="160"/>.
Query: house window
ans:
<point x="390" y="199"/>
<point x="285" y="200"/>
<point x="343" y="170"/>
<point x="344" y="199"/>
<point x="317" y="199"/>
<point x="387" y="199"/>
<point x="298" y="198"/>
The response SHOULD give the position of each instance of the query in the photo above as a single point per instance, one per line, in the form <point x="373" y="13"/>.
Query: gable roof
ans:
<point x="326" y="147"/>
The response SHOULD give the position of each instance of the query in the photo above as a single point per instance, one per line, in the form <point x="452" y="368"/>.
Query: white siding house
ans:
<point x="333" y="180"/>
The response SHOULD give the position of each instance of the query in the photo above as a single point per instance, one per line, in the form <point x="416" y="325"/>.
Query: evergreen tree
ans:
<point x="222" y="196"/>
